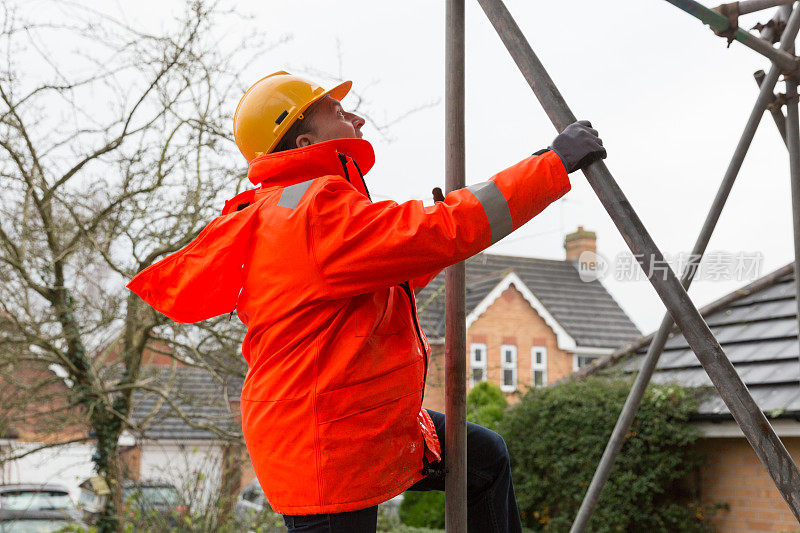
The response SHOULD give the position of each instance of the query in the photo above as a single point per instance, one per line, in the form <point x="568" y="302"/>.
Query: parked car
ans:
<point x="36" y="521"/>
<point x="30" y="497"/>
<point x="141" y="499"/>
<point x="250" y="503"/>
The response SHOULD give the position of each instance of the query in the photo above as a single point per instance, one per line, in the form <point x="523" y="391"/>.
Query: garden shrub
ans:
<point x="556" y="436"/>
<point x="486" y="404"/>
<point x="423" y="509"/>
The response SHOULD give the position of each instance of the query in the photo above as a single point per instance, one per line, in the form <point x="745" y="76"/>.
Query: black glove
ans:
<point x="578" y="146"/>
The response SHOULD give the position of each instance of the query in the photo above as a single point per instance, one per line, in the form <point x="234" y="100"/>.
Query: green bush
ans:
<point x="556" y="436"/>
<point x="423" y="509"/>
<point x="486" y="404"/>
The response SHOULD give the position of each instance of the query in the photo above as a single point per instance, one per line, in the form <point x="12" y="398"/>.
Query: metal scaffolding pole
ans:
<point x="455" y="343"/>
<point x="634" y="400"/>
<point x="751" y="6"/>
<point x="721" y="25"/>
<point x="774" y="110"/>
<point x="745" y="411"/>
<point x="793" y="142"/>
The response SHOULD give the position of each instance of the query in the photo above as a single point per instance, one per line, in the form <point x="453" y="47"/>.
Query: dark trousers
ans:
<point x="491" y="504"/>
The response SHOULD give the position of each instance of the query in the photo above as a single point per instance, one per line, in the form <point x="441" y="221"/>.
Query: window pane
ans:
<point x="538" y="357"/>
<point x="538" y="378"/>
<point x="508" y="356"/>
<point x="478" y="355"/>
<point x="35" y="500"/>
<point x="508" y="378"/>
<point x="477" y="374"/>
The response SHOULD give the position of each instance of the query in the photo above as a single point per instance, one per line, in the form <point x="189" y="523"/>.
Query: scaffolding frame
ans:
<point x="723" y="20"/>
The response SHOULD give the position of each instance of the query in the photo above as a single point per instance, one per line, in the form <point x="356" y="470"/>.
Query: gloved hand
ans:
<point x="578" y="146"/>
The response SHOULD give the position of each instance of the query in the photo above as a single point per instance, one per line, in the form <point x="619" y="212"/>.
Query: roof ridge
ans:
<point x="485" y="254"/>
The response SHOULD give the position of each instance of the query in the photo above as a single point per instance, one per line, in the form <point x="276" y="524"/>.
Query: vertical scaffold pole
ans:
<point x="755" y="426"/>
<point x="793" y="143"/>
<point x="455" y="343"/>
<point x="650" y="361"/>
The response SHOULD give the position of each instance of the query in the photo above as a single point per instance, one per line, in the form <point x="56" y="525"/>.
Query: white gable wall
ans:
<point x="68" y="464"/>
<point x="193" y="467"/>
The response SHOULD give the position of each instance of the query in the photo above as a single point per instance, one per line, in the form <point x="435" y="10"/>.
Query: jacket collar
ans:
<point x="282" y="169"/>
<point x="349" y="158"/>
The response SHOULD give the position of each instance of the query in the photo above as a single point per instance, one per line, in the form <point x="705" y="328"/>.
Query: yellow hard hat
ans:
<point x="271" y="106"/>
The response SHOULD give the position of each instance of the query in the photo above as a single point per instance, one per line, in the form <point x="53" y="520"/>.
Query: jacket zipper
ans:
<point x="407" y="289"/>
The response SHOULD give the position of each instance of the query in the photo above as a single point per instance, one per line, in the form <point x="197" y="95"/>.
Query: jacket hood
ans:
<point x="352" y="158"/>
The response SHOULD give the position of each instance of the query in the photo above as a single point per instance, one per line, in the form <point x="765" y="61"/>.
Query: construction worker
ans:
<point x="324" y="279"/>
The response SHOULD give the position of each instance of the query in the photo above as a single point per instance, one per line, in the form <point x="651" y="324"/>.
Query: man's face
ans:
<point x="330" y="121"/>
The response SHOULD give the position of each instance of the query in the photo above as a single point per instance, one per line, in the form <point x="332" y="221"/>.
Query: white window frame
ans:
<point x="508" y="366"/>
<point x="577" y="356"/>
<point x="477" y="364"/>
<point x="538" y="367"/>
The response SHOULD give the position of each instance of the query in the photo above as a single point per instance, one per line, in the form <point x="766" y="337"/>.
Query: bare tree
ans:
<point x="117" y="152"/>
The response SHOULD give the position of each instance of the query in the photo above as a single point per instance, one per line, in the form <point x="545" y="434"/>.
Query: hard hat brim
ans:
<point x="338" y="92"/>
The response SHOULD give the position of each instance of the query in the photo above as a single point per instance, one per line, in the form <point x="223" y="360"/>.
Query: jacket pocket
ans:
<point x="353" y="399"/>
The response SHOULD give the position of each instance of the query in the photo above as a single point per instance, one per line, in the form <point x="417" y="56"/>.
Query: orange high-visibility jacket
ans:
<point x="324" y="278"/>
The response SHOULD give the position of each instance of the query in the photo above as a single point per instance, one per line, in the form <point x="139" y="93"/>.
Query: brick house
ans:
<point x="758" y="330"/>
<point x="196" y="432"/>
<point x="170" y="439"/>
<point x="38" y="426"/>
<point x="530" y="321"/>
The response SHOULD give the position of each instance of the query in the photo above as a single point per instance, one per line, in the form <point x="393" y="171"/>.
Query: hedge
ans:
<point x="556" y="436"/>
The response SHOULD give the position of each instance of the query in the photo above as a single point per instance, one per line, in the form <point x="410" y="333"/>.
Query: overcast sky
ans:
<point x="668" y="98"/>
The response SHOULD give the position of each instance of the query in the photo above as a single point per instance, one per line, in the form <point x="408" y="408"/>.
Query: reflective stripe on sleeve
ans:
<point x="291" y="195"/>
<point x="496" y="208"/>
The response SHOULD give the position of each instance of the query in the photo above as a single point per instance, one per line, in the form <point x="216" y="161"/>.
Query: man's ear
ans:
<point x="303" y="140"/>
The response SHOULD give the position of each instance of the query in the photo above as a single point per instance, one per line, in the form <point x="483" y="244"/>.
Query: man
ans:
<point x="324" y="279"/>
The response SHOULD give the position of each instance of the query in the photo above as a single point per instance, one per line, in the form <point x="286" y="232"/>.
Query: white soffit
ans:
<point x="729" y="428"/>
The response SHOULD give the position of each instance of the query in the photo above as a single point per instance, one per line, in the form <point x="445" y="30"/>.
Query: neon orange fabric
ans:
<point x="331" y="406"/>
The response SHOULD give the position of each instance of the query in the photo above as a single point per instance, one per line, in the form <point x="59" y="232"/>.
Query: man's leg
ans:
<point x="491" y="503"/>
<point x="362" y="521"/>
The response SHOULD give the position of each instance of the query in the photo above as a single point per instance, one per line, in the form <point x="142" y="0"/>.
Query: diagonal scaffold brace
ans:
<point x="634" y="400"/>
<point x="755" y="426"/>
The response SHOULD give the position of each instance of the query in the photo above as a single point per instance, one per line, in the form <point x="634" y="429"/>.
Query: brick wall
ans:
<point x="434" y="382"/>
<point x="131" y="461"/>
<point x="733" y="474"/>
<point x="36" y="405"/>
<point x="509" y="320"/>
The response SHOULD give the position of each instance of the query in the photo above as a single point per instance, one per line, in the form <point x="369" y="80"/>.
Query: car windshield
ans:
<point x="33" y="526"/>
<point x="34" y="500"/>
<point x="147" y="496"/>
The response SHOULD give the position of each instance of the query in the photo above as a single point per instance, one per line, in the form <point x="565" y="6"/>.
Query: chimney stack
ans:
<point x="578" y="242"/>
